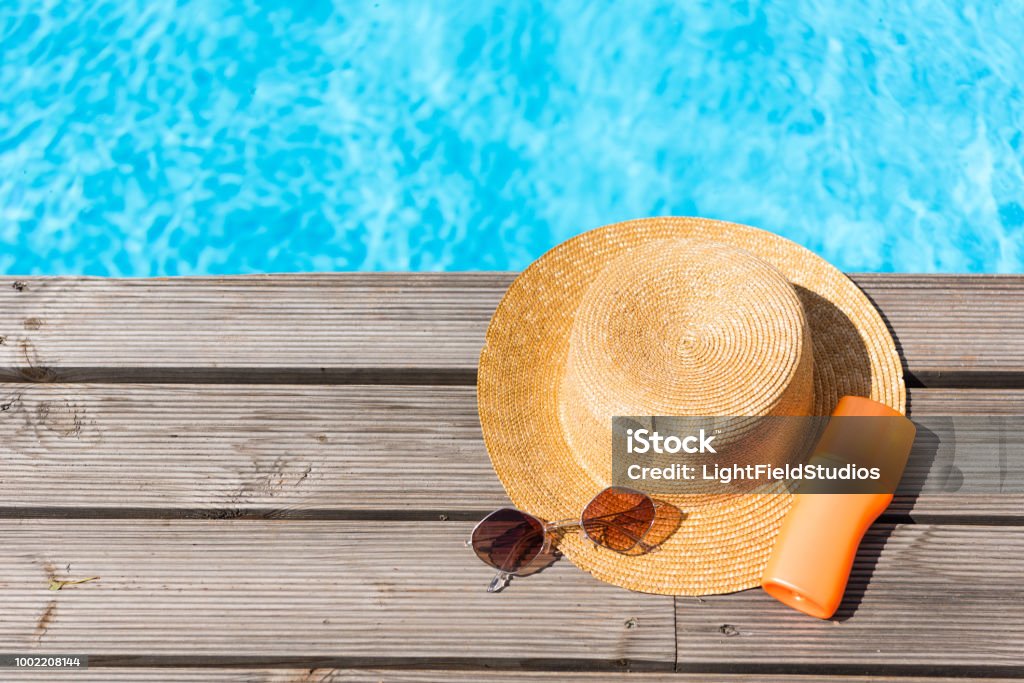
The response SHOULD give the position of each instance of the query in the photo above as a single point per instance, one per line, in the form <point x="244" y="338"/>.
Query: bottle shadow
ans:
<point x="930" y="461"/>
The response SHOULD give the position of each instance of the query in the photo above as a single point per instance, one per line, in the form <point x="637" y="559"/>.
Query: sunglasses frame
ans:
<point x="502" y="578"/>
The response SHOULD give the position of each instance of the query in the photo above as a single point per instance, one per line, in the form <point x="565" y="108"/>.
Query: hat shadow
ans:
<point x="834" y="335"/>
<point x="909" y="379"/>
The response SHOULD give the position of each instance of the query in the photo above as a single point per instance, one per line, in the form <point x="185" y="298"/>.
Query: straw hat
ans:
<point x="669" y="316"/>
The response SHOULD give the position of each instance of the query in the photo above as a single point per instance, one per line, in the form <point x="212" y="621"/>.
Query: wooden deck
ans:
<point x="272" y="478"/>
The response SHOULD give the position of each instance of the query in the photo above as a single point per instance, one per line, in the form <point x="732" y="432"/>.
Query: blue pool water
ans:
<point x="219" y="136"/>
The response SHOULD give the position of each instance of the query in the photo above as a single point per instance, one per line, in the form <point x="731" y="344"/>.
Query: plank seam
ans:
<point x="391" y="515"/>
<point x="675" y="631"/>
<point x="113" y="661"/>
<point x="440" y="376"/>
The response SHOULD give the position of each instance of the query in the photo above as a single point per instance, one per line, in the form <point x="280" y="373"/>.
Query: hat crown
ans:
<point x="683" y="327"/>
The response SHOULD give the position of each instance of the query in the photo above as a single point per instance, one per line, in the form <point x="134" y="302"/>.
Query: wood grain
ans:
<point x="406" y="328"/>
<point x="195" y="398"/>
<point x="351" y="593"/>
<point x="234" y="450"/>
<point x="923" y="598"/>
<point x="412" y="452"/>
<point x="400" y="675"/>
<point x="954" y="330"/>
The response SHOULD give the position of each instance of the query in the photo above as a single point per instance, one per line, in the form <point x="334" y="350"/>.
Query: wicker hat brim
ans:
<point x="717" y="548"/>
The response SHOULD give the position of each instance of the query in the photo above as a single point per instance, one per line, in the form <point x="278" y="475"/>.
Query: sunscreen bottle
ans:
<point x="813" y="555"/>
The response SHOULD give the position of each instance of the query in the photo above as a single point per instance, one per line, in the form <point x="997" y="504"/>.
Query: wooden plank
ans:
<point x="411" y="452"/>
<point x="954" y="330"/>
<point x="297" y="593"/>
<point x="396" y="675"/>
<point x="423" y="328"/>
<point x="233" y="450"/>
<point x="921" y="599"/>
<point x="280" y="328"/>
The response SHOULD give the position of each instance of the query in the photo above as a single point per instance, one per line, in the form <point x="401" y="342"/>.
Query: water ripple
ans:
<point x="155" y="137"/>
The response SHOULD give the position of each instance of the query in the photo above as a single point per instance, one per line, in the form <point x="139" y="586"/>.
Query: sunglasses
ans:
<point x="510" y="540"/>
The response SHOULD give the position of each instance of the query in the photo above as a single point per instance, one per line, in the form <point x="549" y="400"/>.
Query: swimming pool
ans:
<point x="152" y="137"/>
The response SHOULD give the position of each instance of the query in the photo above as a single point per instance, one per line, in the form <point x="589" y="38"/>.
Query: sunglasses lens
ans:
<point x="508" y="539"/>
<point x="618" y="518"/>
